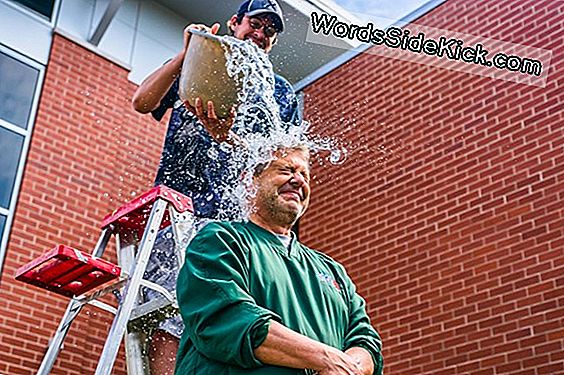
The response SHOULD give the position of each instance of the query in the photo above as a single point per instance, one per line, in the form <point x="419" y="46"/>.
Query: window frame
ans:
<point x="36" y="15"/>
<point x="26" y="133"/>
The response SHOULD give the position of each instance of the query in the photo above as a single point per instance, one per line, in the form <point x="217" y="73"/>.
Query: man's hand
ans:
<point x="218" y="129"/>
<point x="197" y="26"/>
<point x="155" y="86"/>
<point x="287" y="348"/>
<point x="342" y="364"/>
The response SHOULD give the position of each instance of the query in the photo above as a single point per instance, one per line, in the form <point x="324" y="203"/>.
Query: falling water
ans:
<point x="259" y="125"/>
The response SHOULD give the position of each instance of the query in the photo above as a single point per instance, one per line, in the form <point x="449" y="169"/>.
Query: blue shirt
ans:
<point x="185" y="165"/>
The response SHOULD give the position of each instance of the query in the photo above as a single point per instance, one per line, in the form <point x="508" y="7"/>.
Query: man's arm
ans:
<point x="225" y="323"/>
<point x="155" y="86"/>
<point x="362" y="341"/>
<point x="284" y="347"/>
<point x="222" y="319"/>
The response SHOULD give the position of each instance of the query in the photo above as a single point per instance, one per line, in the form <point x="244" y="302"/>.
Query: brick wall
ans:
<point x="449" y="212"/>
<point x="89" y="153"/>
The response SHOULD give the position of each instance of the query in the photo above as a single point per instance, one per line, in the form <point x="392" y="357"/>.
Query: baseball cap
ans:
<point x="255" y="7"/>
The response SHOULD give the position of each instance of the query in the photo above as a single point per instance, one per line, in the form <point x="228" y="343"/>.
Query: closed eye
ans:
<point x="287" y="170"/>
<point x="290" y="171"/>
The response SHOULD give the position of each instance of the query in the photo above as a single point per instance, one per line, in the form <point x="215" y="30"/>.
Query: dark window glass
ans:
<point x="2" y="223"/>
<point x="17" y="85"/>
<point x="11" y="145"/>
<point x="44" y="7"/>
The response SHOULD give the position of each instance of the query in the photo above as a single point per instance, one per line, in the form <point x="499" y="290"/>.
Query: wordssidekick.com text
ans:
<point x="443" y="47"/>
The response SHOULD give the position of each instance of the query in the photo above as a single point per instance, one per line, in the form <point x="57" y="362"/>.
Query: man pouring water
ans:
<point x="186" y="164"/>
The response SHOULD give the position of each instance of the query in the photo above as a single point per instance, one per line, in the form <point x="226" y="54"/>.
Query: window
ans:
<point x="20" y="79"/>
<point x="17" y="84"/>
<point x="11" y="145"/>
<point x="2" y="226"/>
<point x="2" y="223"/>
<point x="43" y="7"/>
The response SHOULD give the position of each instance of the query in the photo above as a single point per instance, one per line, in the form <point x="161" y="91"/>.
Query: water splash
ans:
<point x="259" y="125"/>
<point x="338" y="156"/>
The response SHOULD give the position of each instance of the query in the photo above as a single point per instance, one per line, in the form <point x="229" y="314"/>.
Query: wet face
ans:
<point x="259" y="29"/>
<point x="283" y="188"/>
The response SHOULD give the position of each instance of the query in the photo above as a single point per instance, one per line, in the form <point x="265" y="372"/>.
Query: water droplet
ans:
<point x="75" y="284"/>
<point x="225" y="147"/>
<point x="213" y="153"/>
<point x="97" y="274"/>
<point x="337" y="156"/>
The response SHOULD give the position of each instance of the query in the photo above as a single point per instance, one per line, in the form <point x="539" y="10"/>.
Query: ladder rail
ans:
<point x="119" y="325"/>
<point x="133" y="313"/>
<point x="177" y="221"/>
<point x="73" y="309"/>
<point x="136" y="361"/>
<point x="103" y="241"/>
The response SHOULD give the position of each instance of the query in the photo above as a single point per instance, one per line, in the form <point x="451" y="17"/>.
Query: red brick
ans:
<point x="459" y="147"/>
<point x="68" y="155"/>
<point x="489" y="267"/>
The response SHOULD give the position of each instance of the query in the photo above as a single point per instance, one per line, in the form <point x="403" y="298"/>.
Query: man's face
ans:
<point x="258" y="29"/>
<point x="283" y="187"/>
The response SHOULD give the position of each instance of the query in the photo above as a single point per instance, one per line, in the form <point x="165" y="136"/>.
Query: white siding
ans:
<point x="159" y="37"/>
<point x="25" y="32"/>
<point x="76" y="17"/>
<point x="143" y="33"/>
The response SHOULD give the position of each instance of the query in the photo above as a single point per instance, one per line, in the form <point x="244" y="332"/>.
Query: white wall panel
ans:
<point x="76" y="17"/>
<point x="159" y="37"/>
<point x="143" y="33"/>
<point x="127" y="13"/>
<point x="25" y="33"/>
<point x="160" y="23"/>
<point x="118" y="40"/>
<point x="148" y="55"/>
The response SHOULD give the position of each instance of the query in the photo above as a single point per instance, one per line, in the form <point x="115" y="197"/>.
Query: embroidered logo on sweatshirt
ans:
<point x="329" y="280"/>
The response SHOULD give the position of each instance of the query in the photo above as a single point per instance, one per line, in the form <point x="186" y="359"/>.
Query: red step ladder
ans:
<point x="85" y="278"/>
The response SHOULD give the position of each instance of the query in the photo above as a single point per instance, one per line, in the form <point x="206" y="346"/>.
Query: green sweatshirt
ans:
<point x="239" y="276"/>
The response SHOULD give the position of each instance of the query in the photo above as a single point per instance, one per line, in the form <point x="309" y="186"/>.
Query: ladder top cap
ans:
<point x="144" y="202"/>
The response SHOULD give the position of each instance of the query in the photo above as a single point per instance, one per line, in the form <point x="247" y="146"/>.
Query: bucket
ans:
<point x="204" y="74"/>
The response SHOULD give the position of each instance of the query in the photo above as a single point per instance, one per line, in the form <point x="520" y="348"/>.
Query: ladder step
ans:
<point x="81" y="276"/>
<point x="134" y="214"/>
<point x="67" y="271"/>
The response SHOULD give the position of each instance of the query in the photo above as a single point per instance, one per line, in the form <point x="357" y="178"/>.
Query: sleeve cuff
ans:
<point x="257" y="333"/>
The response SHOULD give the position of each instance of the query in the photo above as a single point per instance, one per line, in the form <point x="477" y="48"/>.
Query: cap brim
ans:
<point x="278" y="22"/>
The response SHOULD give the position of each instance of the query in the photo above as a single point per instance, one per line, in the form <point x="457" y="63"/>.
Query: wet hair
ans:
<point x="261" y="167"/>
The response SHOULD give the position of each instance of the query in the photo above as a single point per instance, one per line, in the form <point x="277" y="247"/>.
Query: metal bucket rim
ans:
<point x="208" y="35"/>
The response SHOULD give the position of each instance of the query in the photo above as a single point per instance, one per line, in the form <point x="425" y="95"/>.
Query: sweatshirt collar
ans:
<point x="276" y="242"/>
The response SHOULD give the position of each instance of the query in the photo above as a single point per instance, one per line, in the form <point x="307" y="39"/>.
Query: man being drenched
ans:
<point x="255" y="300"/>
